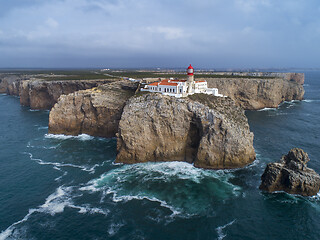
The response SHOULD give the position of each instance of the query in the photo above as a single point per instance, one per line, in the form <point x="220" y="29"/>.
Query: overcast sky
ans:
<point x="160" y="33"/>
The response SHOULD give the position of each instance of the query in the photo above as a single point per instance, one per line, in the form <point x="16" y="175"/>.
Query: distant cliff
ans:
<point x="209" y="131"/>
<point x="253" y="94"/>
<point x="42" y="94"/>
<point x="249" y="93"/>
<point x="39" y="94"/>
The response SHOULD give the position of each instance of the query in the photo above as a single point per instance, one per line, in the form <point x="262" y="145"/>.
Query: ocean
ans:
<point x="63" y="187"/>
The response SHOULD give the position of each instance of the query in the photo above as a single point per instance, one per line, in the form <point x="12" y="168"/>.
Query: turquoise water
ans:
<point x="58" y="187"/>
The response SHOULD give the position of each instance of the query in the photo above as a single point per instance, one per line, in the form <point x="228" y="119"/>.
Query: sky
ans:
<point x="159" y="33"/>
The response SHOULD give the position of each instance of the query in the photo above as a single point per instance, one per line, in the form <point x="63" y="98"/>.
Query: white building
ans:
<point x="181" y="88"/>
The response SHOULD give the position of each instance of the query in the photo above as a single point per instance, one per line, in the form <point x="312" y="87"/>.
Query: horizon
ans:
<point x="243" y="34"/>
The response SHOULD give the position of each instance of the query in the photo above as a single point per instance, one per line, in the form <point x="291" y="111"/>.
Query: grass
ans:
<point x="61" y="75"/>
<point x="139" y="75"/>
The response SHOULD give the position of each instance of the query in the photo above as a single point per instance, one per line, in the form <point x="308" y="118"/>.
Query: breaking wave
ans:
<point x="178" y="186"/>
<point x="54" y="204"/>
<point x="57" y="165"/>
<point x="81" y="137"/>
<point x="220" y="229"/>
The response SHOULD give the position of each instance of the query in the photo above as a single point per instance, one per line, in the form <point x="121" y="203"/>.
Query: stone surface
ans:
<point x="40" y="94"/>
<point x="10" y="84"/>
<point x="254" y="94"/>
<point x="96" y="111"/>
<point x="209" y="131"/>
<point x="291" y="175"/>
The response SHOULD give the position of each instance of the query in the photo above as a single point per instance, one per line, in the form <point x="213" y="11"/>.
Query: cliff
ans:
<point x="10" y="84"/>
<point x="291" y="175"/>
<point x="40" y="94"/>
<point x="254" y="94"/>
<point x="209" y="131"/>
<point x="96" y="112"/>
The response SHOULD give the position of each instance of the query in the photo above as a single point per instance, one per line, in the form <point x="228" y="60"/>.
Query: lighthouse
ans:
<point x="190" y="78"/>
<point x="181" y="87"/>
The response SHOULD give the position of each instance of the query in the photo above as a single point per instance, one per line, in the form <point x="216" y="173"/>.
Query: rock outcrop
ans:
<point x="291" y="175"/>
<point x="254" y="94"/>
<point x="209" y="131"/>
<point x="40" y="94"/>
<point x="10" y="84"/>
<point x="96" y="111"/>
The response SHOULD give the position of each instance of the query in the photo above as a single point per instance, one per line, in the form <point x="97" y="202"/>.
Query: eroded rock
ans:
<point x="96" y="111"/>
<point x="209" y="131"/>
<point x="291" y="175"/>
<point x="253" y="94"/>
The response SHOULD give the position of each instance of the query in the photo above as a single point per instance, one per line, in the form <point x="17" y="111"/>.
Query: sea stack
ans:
<point x="291" y="175"/>
<point x="208" y="131"/>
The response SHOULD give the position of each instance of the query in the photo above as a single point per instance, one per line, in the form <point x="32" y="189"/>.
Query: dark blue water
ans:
<point x="58" y="187"/>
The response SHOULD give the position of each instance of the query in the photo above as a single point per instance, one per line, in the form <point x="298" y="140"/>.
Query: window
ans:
<point x="180" y="90"/>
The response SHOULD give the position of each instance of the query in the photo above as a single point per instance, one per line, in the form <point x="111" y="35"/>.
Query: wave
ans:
<point x="55" y="203"/>
<point x="178" y="186"/>
<point x="220" y="229"/>
<point x="311" y="100"/>
<point x="57" y="165"/>
<point x="267" y="109"/>
<point x="81" y="137"/>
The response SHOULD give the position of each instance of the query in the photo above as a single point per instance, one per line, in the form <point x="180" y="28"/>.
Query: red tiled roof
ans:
<point x="154" y="84"/>
<point x="167" y="82"/>
<point x="200" y="81"/>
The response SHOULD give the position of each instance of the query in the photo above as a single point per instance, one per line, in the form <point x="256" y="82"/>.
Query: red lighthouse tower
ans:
<point x="190" y="71"/>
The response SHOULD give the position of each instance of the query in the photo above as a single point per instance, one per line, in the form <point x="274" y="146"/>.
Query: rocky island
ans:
<point x="291" y="175"/>
<point x="208" y="131"/>
<point x="211" y="132"/>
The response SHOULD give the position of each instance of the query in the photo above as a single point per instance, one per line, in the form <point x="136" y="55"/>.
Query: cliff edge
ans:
<point x="209" y="131"/>
<point x="96" y="111"/>
<point x="254" y="94"/>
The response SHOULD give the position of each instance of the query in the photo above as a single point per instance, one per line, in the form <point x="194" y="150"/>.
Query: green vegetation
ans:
<point x="182" y="75"/>
<point x="62" y="74"/>
<point x="93" y="74"/>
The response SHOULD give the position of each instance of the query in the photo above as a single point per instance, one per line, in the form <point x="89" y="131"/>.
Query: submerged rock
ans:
<point x="209" y="131"/>
<point x="291" y="175"/>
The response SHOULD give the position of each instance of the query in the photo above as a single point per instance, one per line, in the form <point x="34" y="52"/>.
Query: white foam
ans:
<point x="9" y="231"/>
<point x="90" y="210"/>
<point x="220" y="229"/>
<point x="57" y="166"/>
<point x="55" y="203"/>
<point x="81" y="137"/>
<point x="114" y="228"/>
<point x="267" y="109"/>
<point x="113" y="182"/>
<point x="311" y="100"/>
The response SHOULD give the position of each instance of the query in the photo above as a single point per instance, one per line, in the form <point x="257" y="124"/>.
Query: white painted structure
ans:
<point x="181" y="88"/>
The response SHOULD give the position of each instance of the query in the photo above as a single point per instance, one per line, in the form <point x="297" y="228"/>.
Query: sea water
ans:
<point x="64" y="187"/>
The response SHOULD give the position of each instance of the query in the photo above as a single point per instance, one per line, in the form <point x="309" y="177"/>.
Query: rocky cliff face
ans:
<point x="253" y="94"/>
<point x="96" y="112"/>
<point x="208" y="131"/>
<point x="10" y="84"/>
<point x="40" y="94"/>
<point x="291" y="175"/>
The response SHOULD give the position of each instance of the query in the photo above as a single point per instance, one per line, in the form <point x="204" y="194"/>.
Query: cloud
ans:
<point x="52" y="23"/>
<point x="240" y="32"/>
<point x="169" y="33"/>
